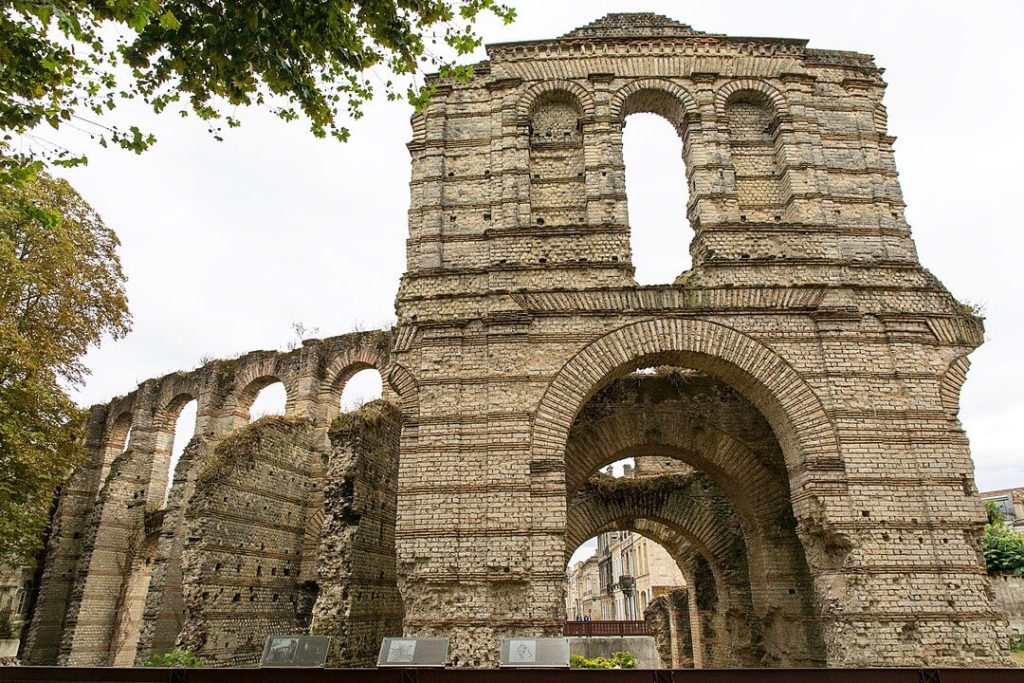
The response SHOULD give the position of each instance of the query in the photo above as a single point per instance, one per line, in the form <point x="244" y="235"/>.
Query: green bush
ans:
<point x="175" y="659"/>
<point x="1003" y="549"/>
<point x="618" y="660"/>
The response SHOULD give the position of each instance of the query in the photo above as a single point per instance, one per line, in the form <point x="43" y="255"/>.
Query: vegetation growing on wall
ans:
<point x="243" y="445"/>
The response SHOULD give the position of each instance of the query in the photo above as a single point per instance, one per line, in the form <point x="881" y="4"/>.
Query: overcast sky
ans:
<point x="226" y="244"/>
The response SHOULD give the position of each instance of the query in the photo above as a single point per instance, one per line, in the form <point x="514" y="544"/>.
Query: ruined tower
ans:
<point x="806" y="298"/>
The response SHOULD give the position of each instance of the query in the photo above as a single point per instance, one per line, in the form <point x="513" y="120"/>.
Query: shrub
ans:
<point x="175" y="659"/>
<point x="618" y="660"/>
<point x="1003" y="549"/>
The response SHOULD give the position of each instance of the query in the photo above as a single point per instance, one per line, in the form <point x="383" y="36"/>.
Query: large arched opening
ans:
<point x="709" y="415"/>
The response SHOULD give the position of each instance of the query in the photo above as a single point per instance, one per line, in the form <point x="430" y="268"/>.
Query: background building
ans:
<point x="622" y="577"/>
<point x="1011" y="504"/>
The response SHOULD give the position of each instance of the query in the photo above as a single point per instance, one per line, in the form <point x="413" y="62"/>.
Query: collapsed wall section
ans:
<point x="359" y="604"/>
<point x="245" y="532"/>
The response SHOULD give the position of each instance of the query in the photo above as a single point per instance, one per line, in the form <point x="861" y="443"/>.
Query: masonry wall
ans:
<point x="669" y="619"/>
<point x="1009" y="597"/>
<point x="90" y="594"/>
<point x="358" y="603"/>
<point x="245" y="532"/>
<point x="806" y="296"/>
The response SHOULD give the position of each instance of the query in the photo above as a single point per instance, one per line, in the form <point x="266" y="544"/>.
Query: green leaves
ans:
<point x="175" y="659"/>
<point x="323" y="59"/>
<point x="618" y="660"/>
<point x="1002" y="547"/>
<point x="169" y="21"/>
<point x="61" y="290"/>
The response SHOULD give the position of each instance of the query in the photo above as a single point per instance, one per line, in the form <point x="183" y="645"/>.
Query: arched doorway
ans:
<point x="705" y="415"/>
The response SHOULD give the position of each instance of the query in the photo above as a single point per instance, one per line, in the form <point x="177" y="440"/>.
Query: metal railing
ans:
<point x="15" y="674"/>
<point x="607" y="628"/>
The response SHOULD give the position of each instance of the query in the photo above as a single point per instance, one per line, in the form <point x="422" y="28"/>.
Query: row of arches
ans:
<point x="263" y="397"/>
<point x="620" y="102"/>
<point x="741" y="157"/>
<point x="127" y="509"/>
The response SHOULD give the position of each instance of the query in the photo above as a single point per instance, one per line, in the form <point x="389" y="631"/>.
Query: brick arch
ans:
<point x="702" y="520"/>
<point x="405" y="385"/>
<point x="686" y="526"/>
<point x="655" y="96"/>
<point x="342" y="367"/>
<point x="537" y="92"/>
<point x="951" y="384"/>
<point x="791" y="407"/>
<point x="164" y="423"/>
<point x="683" y="435"/>
<point x="735" y="88"/>
<point x="250" y="383"/>
<point x="117" y="429"/>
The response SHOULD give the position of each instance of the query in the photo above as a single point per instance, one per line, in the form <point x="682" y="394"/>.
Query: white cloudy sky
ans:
<point x="225" y="245"/>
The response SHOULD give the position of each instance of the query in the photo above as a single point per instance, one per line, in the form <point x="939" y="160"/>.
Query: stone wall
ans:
<point x="98" y="594"/>
<point x="806" y="297"/>
<point x="1009" y="597"/>
<point x="358" y="603"/>
<point x="245" y="533"/>
<point x="670" y="620"/>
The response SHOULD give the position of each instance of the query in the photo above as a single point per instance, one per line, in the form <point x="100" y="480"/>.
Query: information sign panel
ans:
<point x="298" y="651"/>
<point x="543" y="653"/>
<point x="413" y="652"/>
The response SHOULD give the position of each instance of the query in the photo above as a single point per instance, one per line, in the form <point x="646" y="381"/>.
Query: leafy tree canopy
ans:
<point x="61" y="289"/>
<point x="61" y="60"/>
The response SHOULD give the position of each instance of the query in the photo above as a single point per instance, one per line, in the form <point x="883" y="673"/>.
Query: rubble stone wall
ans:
<point x="358" y="603"/>
<point x="245" y="529"/>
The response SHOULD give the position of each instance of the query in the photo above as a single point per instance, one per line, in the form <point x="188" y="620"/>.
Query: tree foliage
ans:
<point x="1002" y="547"/>
<point x="321" y="58"/>
<point x="61" y="290"/>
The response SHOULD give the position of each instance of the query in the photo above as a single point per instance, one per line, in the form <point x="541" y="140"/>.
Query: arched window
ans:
<point x="271" y="400"/>
<point x="656" y="190"/>
<point x="361" y="388"/>
<point x="752" y="148"/>
<point x="557" y="182"/>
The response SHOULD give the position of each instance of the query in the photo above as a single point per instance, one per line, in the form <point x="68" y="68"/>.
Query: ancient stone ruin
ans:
<point x="796" y="413"/>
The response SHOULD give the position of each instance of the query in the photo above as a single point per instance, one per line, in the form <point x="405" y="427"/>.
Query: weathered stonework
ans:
<point x="359" y="604"/>
<point x="669" y="617"/>
<point x="805" y="395"/>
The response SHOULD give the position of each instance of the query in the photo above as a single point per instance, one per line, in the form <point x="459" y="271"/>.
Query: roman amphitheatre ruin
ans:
<point x="798" y="450"/>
